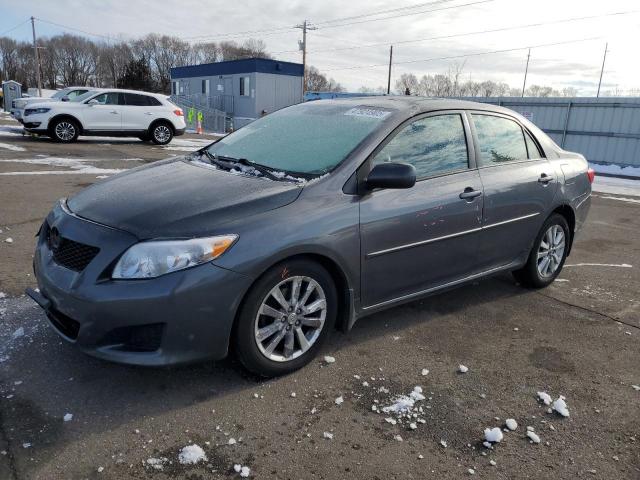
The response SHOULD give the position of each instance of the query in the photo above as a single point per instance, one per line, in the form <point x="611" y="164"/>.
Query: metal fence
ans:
<point x="604" y="130"/>
<point x="213" y="119"/>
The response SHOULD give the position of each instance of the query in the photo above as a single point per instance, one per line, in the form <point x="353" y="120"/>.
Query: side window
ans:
<point x="244" y="86"/>
<point x="532" y="148"/>
<point x="500" y="139"/>
<point x="110" y="98"/>
<point x="154" y="102"/>
<point x="76" y="93"/>
<point x="433" y="145"/>
<point x="136" y="99"/>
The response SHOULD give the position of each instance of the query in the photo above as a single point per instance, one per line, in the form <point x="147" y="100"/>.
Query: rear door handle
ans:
<point x="114" y="111"/>
<point x="544" y="178"/>
<point x="469" y="194"/>
<point x="148" y="113"/>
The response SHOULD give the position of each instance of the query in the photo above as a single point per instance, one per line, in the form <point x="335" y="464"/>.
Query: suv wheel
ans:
<point x="65" y="130"/>
<point x="285" y="318"/>
<point x="161" y="133"/>
<point x="547" y="255"/>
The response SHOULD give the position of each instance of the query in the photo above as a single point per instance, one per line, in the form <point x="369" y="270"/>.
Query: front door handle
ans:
<point x="544" y="178"/>
<point x="469" y="194"/>
<point x="114" y="111"/>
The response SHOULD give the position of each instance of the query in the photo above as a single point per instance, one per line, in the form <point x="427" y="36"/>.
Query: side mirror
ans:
<point x="93" y="101"/>
<point x="391" y="175"/>
<point x="65" y="99"/>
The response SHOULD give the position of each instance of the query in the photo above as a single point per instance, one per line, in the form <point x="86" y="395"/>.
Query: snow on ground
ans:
<point x="618" y="265"/>
<point x="612" y="169"/>
<point x="75" y="165"/>
<point x="616" y="186"/>
<point x="462" y="369"/>
<point x="329" y="359"/>
<point x="511" y="424"/>
<point x="560" y="406"/>
<point x="188" y="144"/>
<point x="157" y="463"/>
<point x="621" y="199"/>
<point x="493" y="435"/>
<point x="545" y="398"/>
<point x="14" y="148"/>
<point x="191" y="454"/>
<point x="533" y="436"/>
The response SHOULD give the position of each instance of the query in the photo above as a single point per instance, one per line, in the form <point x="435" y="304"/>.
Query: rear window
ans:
<point x="500" y="139"/>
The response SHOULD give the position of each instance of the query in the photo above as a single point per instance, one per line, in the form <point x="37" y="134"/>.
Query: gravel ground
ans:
<point x="579" y="338"/>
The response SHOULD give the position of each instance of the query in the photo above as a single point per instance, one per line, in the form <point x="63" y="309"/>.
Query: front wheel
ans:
<point x="161" y="133"/>
<point x="547" y="255"/>
<point x="64" y="130"/>
<point x="285" y="318"/>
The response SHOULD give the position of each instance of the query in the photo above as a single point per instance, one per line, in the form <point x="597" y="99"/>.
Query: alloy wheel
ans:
<point x="551" y="251"/>
<point x="65" y="131"/>
<point x="162" y="133"/>
<point x="290" y="318"/>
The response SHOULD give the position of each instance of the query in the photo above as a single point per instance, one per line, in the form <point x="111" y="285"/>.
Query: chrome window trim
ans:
<point x="451" y="235"/>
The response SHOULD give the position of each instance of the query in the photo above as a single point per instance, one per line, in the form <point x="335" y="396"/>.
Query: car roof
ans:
<point x="413" y="105"/>
<point x="139" y="92"/>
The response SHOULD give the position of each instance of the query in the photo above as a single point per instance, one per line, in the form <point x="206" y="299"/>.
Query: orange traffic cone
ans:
<point x="199" y="127"/>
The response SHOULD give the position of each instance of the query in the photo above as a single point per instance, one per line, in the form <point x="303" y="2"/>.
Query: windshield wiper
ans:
<point x="231" y="162"/>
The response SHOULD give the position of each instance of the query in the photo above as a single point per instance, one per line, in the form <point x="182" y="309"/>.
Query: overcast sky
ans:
<point x="571" y="64"/>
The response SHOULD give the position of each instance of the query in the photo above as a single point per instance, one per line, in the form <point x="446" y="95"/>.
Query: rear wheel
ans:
<point x="285" y="318"/>
<point x="547" y="255"/>
<point x="161" y="133"/>
<point x="64" y="130"/>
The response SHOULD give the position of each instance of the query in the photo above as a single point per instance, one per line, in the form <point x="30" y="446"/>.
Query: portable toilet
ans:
<point x="11" y="90"/>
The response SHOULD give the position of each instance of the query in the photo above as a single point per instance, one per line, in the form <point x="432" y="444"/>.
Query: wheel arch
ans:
<point x="346" y="306"/>
<point x="68" y="116"/>
<point x="161" y="120"/>
<point x="570" y="216"/>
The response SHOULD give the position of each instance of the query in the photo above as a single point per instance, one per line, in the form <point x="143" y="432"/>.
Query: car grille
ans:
<point x="69" y="253"/>
<point x="64" y="324"/>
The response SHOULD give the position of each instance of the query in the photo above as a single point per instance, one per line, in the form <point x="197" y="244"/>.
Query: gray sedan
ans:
<point x="302" y="222"/>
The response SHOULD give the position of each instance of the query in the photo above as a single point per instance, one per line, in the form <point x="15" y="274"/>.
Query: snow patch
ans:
<point x="329" y="359"/>
<point x="328" y="435"/>
<point x="511" y="424"/>
<point x="67" y="417"/>
<point x="157" y="463"/>
<point x="339" y="400"/>
<point x="560" y="406"/>
<point x="533" y="436"/>
<point x="191" y="454"/>
<point x="14" y="148"/>
<point x="545" y="398"/>
<point x="463" y="369"/>
<point x="493" y="435"/>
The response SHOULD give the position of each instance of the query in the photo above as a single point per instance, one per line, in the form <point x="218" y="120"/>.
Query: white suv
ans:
<point x="113" y="112"/>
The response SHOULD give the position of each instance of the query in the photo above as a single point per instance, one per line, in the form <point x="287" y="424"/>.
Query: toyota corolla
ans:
<point x="302" y="222"/>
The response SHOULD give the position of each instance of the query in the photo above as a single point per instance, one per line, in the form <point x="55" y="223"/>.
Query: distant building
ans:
<point x="242" y="90"/>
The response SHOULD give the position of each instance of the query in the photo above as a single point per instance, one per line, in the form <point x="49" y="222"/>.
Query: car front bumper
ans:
<point x="181" y="317"/>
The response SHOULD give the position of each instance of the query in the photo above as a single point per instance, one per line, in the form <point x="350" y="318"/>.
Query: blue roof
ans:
<point x="246" y="65"/>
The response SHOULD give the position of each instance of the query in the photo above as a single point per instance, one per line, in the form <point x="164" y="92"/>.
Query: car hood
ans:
<point x="178" y="198"/>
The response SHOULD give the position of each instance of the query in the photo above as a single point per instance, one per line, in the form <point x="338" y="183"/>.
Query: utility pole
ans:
<point x="526" y="70"/>
<point x="303" y="46"/>
<point x="606" y="46"/>
<point x="37" y="54"/>
<point x="390" y="62"/>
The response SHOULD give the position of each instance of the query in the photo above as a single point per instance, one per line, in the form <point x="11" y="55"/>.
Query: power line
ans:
<point x="66" y="27"/>
<point x="13" y="28"/>
<point x="464" y="56"/>
<point x="408" y="14"/>
<point x="477" y="32"/>
<point x="382" y="12"/>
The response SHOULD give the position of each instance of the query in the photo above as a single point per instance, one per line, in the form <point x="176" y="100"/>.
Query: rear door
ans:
<point x="139" y="111"/>
<point x="106" y="115"/>
<point x="519" y="187"/>
<point x="425" y="236"/>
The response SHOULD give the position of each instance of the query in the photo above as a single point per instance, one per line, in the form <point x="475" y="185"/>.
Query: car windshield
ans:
<point x="84" y="96"/>
<point x="309" y="138"/>
<point x="60" y="93"/>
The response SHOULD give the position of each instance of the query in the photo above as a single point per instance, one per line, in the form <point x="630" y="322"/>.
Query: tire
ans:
<point x="161" y="133"/>
<point x="254" y="352"/>
<point x="64" y="130"/>
<point x="541" y="272"/>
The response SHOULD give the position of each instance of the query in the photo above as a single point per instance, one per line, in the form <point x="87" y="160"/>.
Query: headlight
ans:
<point x="34" y="111"/>
<point x="152" y="259"/>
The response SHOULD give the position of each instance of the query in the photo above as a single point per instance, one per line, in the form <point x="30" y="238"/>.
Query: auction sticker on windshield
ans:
<point x="367" y="112"/>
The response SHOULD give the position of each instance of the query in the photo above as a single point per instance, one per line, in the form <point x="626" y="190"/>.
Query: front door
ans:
<point x="519" y="187"/>
<point x="106" y="114"/>
<point x="416" y="239"/>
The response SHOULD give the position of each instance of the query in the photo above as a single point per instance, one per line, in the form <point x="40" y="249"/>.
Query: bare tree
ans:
<point x="318" y="82"/>
<point x="407" y="82"/>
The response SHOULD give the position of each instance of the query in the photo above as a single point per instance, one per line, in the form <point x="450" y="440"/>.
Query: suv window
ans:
<point x="500" y="139"/>
<point x="140" y="100"/>
<point x="76" y="93"/>
<point x="110" y="98"/>
<point x="433" y="145"/>
<point x="532" y="148"/>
